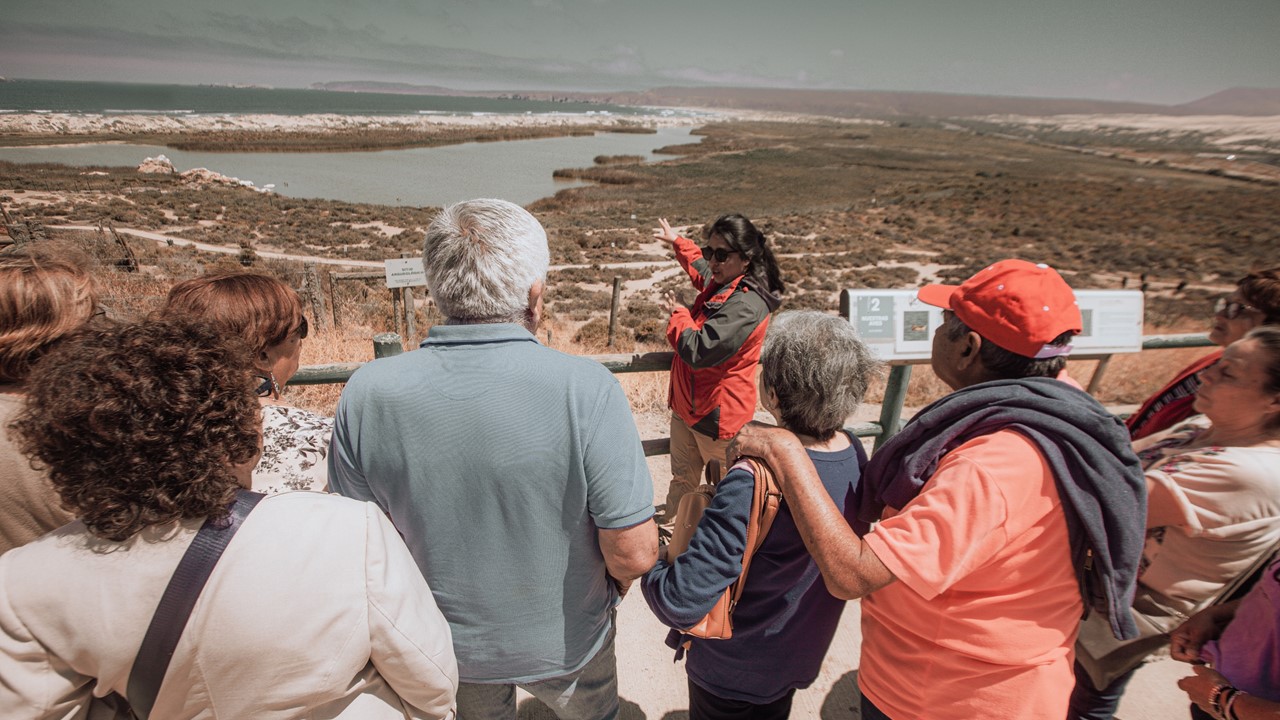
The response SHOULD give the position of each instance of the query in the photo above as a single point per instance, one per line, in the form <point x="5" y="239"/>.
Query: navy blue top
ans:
<point x="785" y="620"/>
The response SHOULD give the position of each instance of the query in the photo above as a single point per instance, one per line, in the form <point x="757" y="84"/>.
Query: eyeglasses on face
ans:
<point x="265" y="385"/>
<point x="303" y="328"/>
<point x="1231" y="309"/>
<point x="718" y="254"/>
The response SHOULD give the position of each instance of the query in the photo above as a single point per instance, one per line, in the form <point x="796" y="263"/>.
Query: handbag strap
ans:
<point x="179" y="599"/>
<point x="764" y="508"/>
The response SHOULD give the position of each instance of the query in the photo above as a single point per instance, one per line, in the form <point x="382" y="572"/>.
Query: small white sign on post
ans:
<point x="896" y="325"/>
<point x="405" y="272"/>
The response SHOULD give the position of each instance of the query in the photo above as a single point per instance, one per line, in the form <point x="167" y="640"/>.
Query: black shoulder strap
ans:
<point x="177" y="602"/>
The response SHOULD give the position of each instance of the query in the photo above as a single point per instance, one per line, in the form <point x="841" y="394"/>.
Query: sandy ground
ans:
<point x="1226" y="130"/>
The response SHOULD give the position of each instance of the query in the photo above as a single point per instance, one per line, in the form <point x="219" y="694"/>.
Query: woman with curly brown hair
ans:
<point x="267" y="315"/>
<point x="43" y="299"/>
<point x="315" y="609"/>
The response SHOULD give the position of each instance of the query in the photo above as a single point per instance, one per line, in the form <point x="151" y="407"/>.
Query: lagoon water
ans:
<point x="517" y="170"/>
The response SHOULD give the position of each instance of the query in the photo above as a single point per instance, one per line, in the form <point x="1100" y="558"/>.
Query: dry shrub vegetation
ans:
<point x="845" y="206"/>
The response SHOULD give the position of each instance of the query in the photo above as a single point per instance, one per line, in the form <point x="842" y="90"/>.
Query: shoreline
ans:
<point x="258" y="130"/>
<point x="307" y="133"/>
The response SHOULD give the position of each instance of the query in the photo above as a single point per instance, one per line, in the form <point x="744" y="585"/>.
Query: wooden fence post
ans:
<point x="396" y="320"/>
<point x="613" y="309"/>
<point x="410" y="312"/>
<point x="314" y="292"/>
<point x="330" y="286"/>
<point x="387" y="344"/>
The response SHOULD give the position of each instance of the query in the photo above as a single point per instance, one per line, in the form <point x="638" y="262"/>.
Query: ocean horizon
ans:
<point x="66" y="96"/>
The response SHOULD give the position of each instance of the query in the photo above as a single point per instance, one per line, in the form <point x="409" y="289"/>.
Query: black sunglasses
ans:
<point x="1230" y="310"/>
<point x="718" y="254"/>
<point x="303" y="328"/>
<point x="265" y="385"/>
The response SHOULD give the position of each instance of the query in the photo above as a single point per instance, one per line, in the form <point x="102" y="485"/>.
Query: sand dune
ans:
<point x="1223" y="129"/>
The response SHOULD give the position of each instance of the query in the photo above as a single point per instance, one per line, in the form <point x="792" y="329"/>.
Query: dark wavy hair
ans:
<point x="139" y="425"/>
<point x="1261" y="289"/>
<point x="738" y="232"/>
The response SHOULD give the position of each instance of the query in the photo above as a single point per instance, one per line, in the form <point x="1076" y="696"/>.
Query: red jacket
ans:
<point x="1173" y="403"/>
<point x="717" y="344"/>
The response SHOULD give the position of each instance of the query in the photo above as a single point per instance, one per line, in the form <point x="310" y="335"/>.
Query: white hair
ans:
<point x="818" y="367"/>
<point x="482" y="257"/>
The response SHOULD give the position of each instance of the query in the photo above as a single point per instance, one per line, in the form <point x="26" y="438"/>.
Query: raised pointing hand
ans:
<point x="665" y="233"/>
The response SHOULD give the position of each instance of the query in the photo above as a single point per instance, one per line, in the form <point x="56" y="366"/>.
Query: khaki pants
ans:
<point x="690" y="452"/>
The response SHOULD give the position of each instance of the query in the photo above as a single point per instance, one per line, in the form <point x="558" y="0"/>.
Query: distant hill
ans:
<point x="861" y="103"/>
<point x="1236" y="101"/>
<point x="390" y="88"/>
<point x="866" y="103"/>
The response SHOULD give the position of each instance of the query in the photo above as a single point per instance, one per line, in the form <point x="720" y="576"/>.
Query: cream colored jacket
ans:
<point x="315" y="610"/>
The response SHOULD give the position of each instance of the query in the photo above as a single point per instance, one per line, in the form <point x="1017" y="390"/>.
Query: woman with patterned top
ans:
<point x="1213" y="509"/>
<point x="267" y="314"/>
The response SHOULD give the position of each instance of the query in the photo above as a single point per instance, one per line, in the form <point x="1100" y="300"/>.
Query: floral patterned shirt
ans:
<point x="295" y="449"/>
<point x="1228" y="501"/>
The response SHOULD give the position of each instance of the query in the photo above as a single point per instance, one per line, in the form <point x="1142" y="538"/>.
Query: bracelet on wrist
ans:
<point x="1229" y="704"/>
<point x="1224" y="699"/>
<point x="1215" y="698"/>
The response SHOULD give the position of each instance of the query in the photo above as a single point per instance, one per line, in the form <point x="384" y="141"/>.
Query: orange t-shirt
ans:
<point x="983" y="617"/>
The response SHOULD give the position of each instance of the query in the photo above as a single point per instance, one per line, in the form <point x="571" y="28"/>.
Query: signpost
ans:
<point x="405" y="272"/>
<point x="896" y="325"/>
<point x="899" y="328"/>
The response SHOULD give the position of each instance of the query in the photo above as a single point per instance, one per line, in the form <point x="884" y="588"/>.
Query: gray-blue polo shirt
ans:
<point x="497" y="458"/>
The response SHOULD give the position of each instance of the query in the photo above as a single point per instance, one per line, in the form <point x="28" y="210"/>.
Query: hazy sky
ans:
<point x="1165" y="51"/>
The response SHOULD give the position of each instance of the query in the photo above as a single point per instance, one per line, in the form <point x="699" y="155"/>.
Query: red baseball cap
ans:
<point x="1018" y="305"/>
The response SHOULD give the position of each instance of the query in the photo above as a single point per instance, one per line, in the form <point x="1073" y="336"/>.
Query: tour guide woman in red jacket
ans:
<point x="717" y="342"/>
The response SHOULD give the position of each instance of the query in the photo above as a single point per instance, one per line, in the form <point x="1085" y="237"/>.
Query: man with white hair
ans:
<point x="514" y="472"/>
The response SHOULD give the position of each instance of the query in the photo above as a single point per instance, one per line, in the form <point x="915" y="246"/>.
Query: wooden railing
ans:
<point x="895" y="393"/>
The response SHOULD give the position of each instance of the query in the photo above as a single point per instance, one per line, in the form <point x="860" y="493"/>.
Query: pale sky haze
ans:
<point x="1161" y="51"/>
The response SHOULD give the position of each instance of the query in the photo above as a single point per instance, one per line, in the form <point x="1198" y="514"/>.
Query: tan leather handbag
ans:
<point x="718" y="624"/>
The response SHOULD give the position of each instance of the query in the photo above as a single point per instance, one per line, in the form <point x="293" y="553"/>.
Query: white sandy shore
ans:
<point x="1223" y="130"/>
<point x="92" y="123"/>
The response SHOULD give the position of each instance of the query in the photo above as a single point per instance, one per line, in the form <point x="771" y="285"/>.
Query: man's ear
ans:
<point x="533" y="314"/>
<point x="972" y="344"/>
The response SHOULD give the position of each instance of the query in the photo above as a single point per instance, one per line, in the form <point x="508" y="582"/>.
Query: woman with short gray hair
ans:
<point x="814" y="373"/>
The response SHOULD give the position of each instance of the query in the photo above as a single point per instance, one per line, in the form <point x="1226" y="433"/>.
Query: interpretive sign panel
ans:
<point x="405" y="272"/>
<point x="896" y="325"/>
